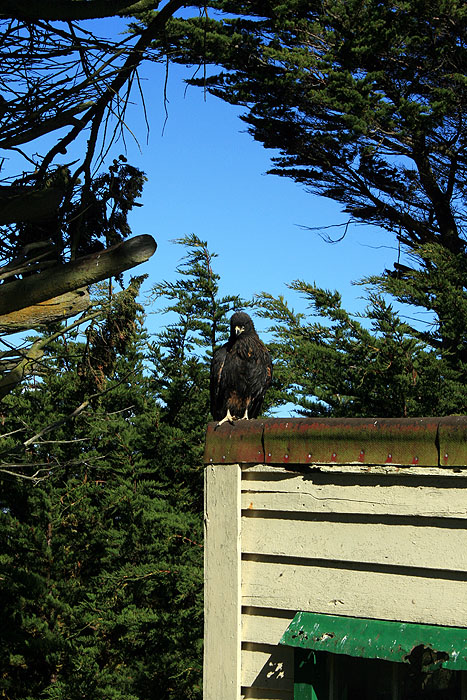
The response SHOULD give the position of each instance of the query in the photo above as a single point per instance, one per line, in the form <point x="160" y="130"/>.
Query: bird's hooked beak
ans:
<point x="239" y="330"/>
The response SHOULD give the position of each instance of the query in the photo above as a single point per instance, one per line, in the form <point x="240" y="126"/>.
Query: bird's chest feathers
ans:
<point x="244" y="350"/>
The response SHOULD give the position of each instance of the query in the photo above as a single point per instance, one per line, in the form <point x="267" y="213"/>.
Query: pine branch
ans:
<point x="61" y="10"/>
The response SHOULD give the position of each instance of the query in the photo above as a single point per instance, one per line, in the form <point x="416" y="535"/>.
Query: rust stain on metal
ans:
<point x="453" y="441"/>
<point x="241" y="442"/>
<point x="409" y="441"/>
<point x="357" y="440"/>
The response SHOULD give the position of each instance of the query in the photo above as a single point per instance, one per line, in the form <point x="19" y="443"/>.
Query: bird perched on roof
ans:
<point x="241" y="371"/>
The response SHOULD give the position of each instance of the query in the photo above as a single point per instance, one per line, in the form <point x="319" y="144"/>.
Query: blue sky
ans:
<point x="207" y="176"/>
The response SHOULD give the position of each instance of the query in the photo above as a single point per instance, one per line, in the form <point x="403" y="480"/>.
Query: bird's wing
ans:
<point x="259" y="373"/>
<point x="217" y="365"/>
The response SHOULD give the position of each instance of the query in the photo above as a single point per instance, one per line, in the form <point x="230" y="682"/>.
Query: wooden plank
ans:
<point x="340" y="493"/>
<point x="264" y="626"/>
<point x="375" y="594"/>
<point x="267" y="667"/>
<point x="222" y="643"/>
<point x="409" y="470"/>
<point x="266" y="694"/>
<point x="414" y="545"/>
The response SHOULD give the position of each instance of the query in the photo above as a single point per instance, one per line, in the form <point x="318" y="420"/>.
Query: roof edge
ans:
<point x="421" y="441"/>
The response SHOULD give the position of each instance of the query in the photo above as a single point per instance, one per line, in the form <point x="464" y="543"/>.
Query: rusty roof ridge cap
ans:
<point x="438" y="442"/>
<point x="428" y="441"/>
<point x="263" y="445"/>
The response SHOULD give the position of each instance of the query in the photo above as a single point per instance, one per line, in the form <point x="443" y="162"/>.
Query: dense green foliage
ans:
<point x="101" y="568"/>
<point x="101" y="576"/>
<point x="329" y="362"/>
<point x="366" y="102"/>
<point x="101" y="563"/>
<point x="101" y="580"/>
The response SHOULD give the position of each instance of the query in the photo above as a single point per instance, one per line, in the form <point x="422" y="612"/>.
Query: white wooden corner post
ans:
<point x="222" y="593"/>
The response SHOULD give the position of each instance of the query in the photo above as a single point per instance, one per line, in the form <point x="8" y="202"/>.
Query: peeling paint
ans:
<point x="426" y="647"/>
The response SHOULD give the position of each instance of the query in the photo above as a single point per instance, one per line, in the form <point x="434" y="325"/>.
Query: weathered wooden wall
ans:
<point x="385" y="542"/>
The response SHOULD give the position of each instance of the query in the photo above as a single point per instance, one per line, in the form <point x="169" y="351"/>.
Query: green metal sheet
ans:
<point x="377" y="639"/>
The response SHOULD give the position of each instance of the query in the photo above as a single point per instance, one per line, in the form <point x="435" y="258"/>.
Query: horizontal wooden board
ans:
<point x="264" y="627"/>
<point x="377" y="594"/>
<point x="403" y="470"/>
<point x="370" y="542"/>
<point x="267" y="667"/>
<point x="332" y="493"/>
<point x="266" y="694"/>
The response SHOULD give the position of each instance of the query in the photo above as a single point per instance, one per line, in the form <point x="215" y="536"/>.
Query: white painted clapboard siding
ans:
<point x="432" y="546"/>
<point x="388" y="545"/>
<point x="390" y="493"/>
<point x="354" y="592"/>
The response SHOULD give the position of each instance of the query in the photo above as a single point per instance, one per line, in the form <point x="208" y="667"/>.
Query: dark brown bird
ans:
<point x="241" y="372"/>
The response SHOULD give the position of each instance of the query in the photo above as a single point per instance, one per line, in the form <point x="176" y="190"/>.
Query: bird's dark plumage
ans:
<point x="241" y="371"/>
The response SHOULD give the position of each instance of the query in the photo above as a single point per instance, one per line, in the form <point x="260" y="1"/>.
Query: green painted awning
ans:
<point x="377" y="639"/>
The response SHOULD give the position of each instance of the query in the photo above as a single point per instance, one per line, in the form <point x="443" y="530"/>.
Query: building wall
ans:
<point x="379" y="542"/>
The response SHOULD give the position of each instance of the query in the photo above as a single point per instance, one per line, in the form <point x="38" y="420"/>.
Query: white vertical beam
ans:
<point x="222" y="581"/>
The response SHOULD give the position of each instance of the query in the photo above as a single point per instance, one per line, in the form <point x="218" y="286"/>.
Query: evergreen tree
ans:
<point x="101" y="574"/>
<point x="366" y="102"/>
<point x="101" y="564"/>
<point x="333" y="363"/>
<point x="437" y="286"/>
<point x="181" y="355"/>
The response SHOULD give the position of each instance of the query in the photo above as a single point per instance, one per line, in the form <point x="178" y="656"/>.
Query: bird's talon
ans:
<point x="228" y="418"/>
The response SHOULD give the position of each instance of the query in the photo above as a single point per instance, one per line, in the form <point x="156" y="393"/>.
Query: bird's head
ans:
<point x="240" y="323"/>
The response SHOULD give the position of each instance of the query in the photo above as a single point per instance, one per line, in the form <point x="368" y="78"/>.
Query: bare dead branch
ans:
<point x="76" y="274"/>
<point x="37" y="315"/>
<point x="35" y="438"/>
